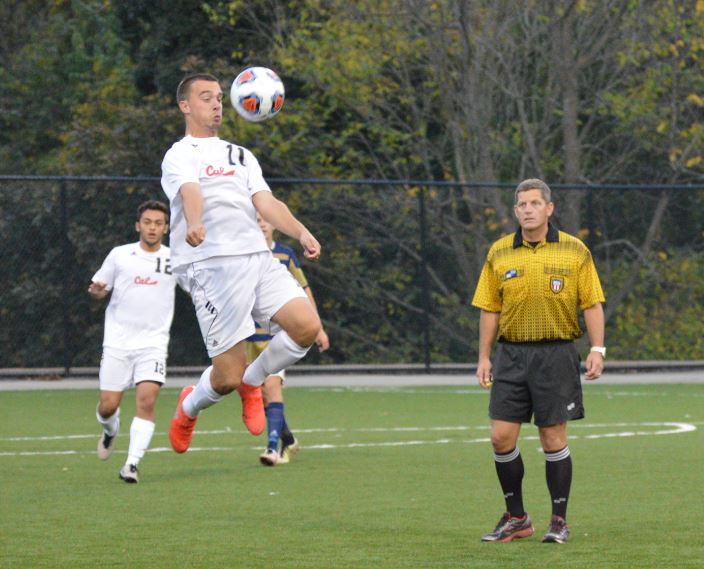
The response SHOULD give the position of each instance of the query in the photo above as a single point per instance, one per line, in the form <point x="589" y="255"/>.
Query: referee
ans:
<point x="528" y="293"/>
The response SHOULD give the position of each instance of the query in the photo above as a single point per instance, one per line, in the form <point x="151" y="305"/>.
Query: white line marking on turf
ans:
<point x="402" y="389"/>
<point x="390" y="444"/>
<point x="677" y="428"/>
<point x="228" y="430"/>
<point x="473" y="391"/>
<point x="43" y="453"/>
<point x="77" y="452"/>
<point x="672" y="428"/>
<point x="242" y="431"/>
<point x="54" y="438"/>
<point x="610" y="425"/>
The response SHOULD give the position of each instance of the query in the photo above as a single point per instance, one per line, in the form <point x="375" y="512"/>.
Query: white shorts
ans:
<point x="120" y="369"/>
<point x="229" y="293"/>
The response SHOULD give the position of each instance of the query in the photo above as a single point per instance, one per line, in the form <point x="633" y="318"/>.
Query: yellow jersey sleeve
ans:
<point x="589" y="285"/>
<point x="487" y="294"/>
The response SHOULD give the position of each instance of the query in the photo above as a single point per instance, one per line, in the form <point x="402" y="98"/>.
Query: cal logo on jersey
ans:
<point x="557" y="284"/>
<point x="213" y="171"/>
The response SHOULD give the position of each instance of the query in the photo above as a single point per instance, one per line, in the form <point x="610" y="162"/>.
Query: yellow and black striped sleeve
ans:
<point x="297" y="273"/>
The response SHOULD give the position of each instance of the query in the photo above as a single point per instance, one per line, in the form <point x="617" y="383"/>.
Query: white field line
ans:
<point x="229" y="430"/>
<point x="479" y="391"/>
<point x="667" y="428"/>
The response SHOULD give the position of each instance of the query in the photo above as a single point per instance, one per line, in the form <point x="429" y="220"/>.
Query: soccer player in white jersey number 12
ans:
<point x="216" y="189"/>
<point x="136" y="339"/>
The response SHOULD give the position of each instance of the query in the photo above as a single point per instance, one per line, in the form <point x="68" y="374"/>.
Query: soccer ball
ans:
<point x="257" y="94"/>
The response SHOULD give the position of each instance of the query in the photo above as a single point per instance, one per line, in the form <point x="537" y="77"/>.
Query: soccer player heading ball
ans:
<point x="216" y="188"/>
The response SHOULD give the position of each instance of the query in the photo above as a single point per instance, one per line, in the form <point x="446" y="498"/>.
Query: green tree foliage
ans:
<point x="409" y="90"/>
<point x="168" y="38"/>
<point x="661" y="318"/>
<point x="661" y="102"/>
<point x="590" y="91"/>
<point x="73" y="47"/>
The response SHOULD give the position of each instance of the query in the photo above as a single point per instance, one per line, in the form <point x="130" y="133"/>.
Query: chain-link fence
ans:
<point x="400" y="262"/>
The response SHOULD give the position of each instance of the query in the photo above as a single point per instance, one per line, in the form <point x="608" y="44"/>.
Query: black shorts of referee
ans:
<point x="536" y="379"/>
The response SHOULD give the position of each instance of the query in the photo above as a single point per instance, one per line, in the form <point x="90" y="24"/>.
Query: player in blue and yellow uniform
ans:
<point x="277" y="427"/>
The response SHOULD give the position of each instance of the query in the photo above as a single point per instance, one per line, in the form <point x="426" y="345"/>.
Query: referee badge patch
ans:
<point x="557" y="284"/>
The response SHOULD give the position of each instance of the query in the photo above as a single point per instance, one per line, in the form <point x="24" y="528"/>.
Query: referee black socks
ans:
<point x="558" y="473"/>
<point x="509" y="468"/>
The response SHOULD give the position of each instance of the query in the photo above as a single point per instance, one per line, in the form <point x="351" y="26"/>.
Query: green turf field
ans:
<point x="387" y="478"/>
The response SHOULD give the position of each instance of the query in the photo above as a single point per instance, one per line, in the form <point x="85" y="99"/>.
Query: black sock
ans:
<point x="558" y="473"/>
<point x="286" y="435"/>
<point x="509" y="468"/>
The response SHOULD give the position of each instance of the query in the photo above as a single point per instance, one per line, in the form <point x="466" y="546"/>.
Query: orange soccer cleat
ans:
<point x="253" y="414"/>
<point x="182" y="426"/>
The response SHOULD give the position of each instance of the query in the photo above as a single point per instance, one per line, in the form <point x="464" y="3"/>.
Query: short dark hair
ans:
<point x="534" y="184"/>
<point x="155" y="205"/>
<point x="184" y="87"/>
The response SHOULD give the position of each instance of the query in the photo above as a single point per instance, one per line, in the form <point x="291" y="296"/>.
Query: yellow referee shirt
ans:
<point x="537" y="289"/>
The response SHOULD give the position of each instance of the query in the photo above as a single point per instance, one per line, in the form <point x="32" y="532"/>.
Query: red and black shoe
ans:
<point x="558" y="531"/>
<point x="510" y="527"/>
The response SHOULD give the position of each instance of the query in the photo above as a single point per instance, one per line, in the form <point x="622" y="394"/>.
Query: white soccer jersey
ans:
<point x="141" y="307"/>
<point x="229" y="176"/>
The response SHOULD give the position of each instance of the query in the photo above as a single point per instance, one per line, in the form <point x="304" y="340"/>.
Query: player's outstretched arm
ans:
<point x="98" y="290"/>
<point x="277" y="213"/>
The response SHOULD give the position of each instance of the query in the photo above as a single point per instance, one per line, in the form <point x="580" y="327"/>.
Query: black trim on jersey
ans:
<point x="553" y="236"/>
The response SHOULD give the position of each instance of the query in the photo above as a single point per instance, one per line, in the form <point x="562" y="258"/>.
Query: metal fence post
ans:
<point x="425" y="281"/>
<point x="65" y="277"/>
<point x="591" y="225"/>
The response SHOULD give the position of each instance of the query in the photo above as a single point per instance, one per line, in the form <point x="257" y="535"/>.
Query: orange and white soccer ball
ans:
<point x="257" y="94"/>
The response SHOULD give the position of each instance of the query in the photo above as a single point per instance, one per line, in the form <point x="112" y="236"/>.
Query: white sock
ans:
<point x="141" y="432"/>
<point x="281" y="353"/>
<point x="111" y="425"/>
<point x="202" y="397"/>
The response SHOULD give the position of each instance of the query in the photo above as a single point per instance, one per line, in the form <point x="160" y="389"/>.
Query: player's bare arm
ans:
<point x="488" y="330"/>
<point x="98" y="290"/>
<point x="193" y="211"/>
<point x="277" y="213"/>
<point x="594" y="320"/>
